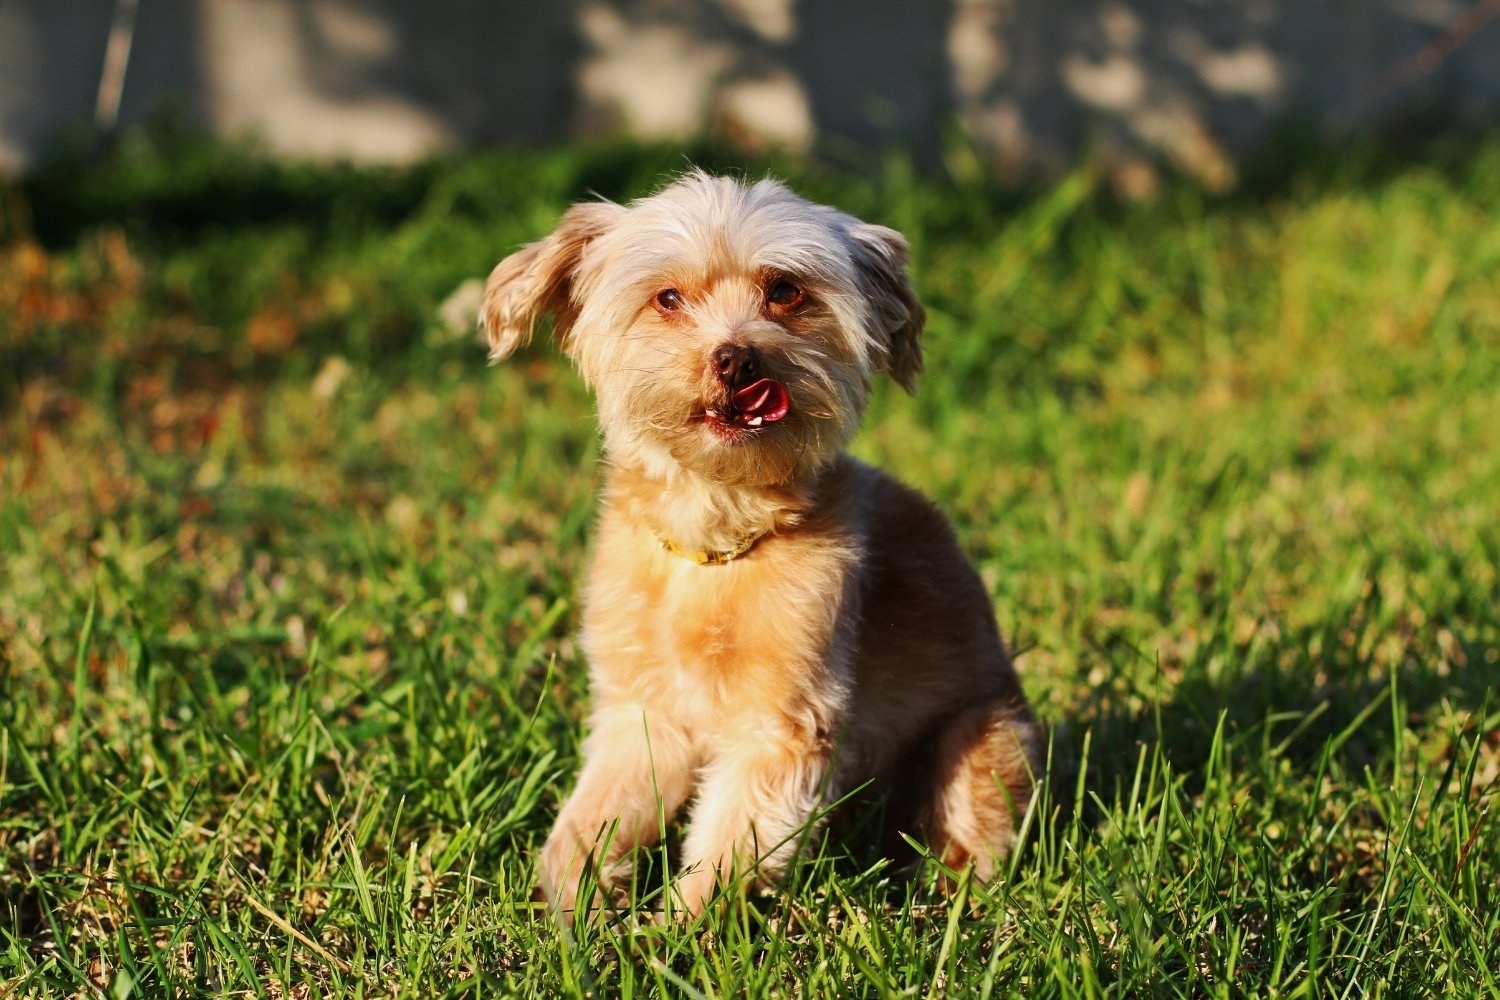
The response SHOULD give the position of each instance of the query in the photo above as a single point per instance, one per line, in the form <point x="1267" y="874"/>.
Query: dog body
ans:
<point x="769" y="622"/>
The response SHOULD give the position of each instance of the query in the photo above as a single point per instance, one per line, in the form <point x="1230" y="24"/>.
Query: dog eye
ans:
<point x="784" y="294"/>
<point x="669" y="300"/>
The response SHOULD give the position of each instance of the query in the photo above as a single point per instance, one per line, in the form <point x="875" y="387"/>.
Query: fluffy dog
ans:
<point x="769" y="623"/>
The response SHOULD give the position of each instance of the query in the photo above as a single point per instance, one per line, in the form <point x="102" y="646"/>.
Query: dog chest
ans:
<point x="755" y="632"/>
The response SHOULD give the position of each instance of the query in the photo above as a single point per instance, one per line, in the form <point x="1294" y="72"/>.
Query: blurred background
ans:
<point x="1190" y="83"/>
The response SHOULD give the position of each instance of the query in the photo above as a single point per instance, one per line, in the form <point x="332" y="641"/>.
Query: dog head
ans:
<point x="728" y="329"/>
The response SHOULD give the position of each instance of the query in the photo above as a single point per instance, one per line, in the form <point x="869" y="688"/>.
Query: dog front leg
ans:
<point x="637" y="771"/>
<point x="754" y="807"/>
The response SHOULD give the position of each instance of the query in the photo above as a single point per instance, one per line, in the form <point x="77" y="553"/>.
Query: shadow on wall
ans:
<point x="51" y="59"/>
<point x="766" y="72"/>
<point x="1032" y="84"/>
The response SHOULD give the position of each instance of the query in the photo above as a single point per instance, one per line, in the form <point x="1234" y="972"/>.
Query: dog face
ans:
<point x="731" y="330"/>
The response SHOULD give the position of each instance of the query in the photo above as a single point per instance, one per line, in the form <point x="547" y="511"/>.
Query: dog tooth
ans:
<point x="755" y="421"/>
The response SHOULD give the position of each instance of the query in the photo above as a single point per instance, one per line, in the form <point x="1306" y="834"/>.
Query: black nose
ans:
<point x="736" y="366"/>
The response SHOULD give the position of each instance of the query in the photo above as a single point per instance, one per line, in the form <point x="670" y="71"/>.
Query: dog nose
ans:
<point x="736" y="365"/>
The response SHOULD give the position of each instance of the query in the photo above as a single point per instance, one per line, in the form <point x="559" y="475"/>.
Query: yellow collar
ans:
<point x="708" y="557"/>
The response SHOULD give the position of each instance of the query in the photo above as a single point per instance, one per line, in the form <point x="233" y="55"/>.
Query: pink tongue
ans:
<point x="766" y="399"/>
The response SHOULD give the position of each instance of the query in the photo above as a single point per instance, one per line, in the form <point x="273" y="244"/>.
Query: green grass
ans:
<point x="289" y="692"/>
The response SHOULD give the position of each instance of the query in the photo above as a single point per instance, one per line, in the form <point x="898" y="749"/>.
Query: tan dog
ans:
<point x="769" y="622"/>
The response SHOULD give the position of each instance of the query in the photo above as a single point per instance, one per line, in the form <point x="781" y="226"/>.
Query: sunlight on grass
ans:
<point x="288" y="689"/>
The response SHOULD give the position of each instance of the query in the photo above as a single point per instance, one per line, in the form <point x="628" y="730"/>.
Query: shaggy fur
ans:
<point x="730" y="333"/>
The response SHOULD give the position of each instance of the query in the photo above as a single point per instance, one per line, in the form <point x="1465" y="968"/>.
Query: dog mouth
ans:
<point x="757" y="405"/>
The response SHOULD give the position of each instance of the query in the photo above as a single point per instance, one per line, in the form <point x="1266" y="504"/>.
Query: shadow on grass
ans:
<point x="1307" y="693"/>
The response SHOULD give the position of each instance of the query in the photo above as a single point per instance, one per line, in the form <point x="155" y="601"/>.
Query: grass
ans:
<point x="288" y="692"/>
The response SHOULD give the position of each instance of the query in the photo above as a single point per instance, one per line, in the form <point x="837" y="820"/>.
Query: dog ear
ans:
<point x="537" y="280"/>
<point x="881" y="255"/>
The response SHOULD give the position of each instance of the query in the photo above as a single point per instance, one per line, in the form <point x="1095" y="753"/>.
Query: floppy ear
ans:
<point x="537" y="280"/>
<point x="881" y="256"/>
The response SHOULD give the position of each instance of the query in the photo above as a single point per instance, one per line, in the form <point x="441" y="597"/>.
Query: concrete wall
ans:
<point x="1031" y="82"/>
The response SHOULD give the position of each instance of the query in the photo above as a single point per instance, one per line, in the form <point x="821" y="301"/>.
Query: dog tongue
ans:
<point x="766" y="399"/>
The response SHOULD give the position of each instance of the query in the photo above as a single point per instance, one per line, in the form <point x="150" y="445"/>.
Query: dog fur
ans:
<point x="730" y="333"/>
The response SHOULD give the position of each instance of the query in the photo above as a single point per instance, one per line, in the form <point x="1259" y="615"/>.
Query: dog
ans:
<point x="769" y="623"/>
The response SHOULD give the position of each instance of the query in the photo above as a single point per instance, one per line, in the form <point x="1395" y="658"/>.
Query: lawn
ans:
<point x="288" y="687"/>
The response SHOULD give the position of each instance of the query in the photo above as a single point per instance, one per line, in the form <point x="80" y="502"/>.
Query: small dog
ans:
<point x="769" y="622"/>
